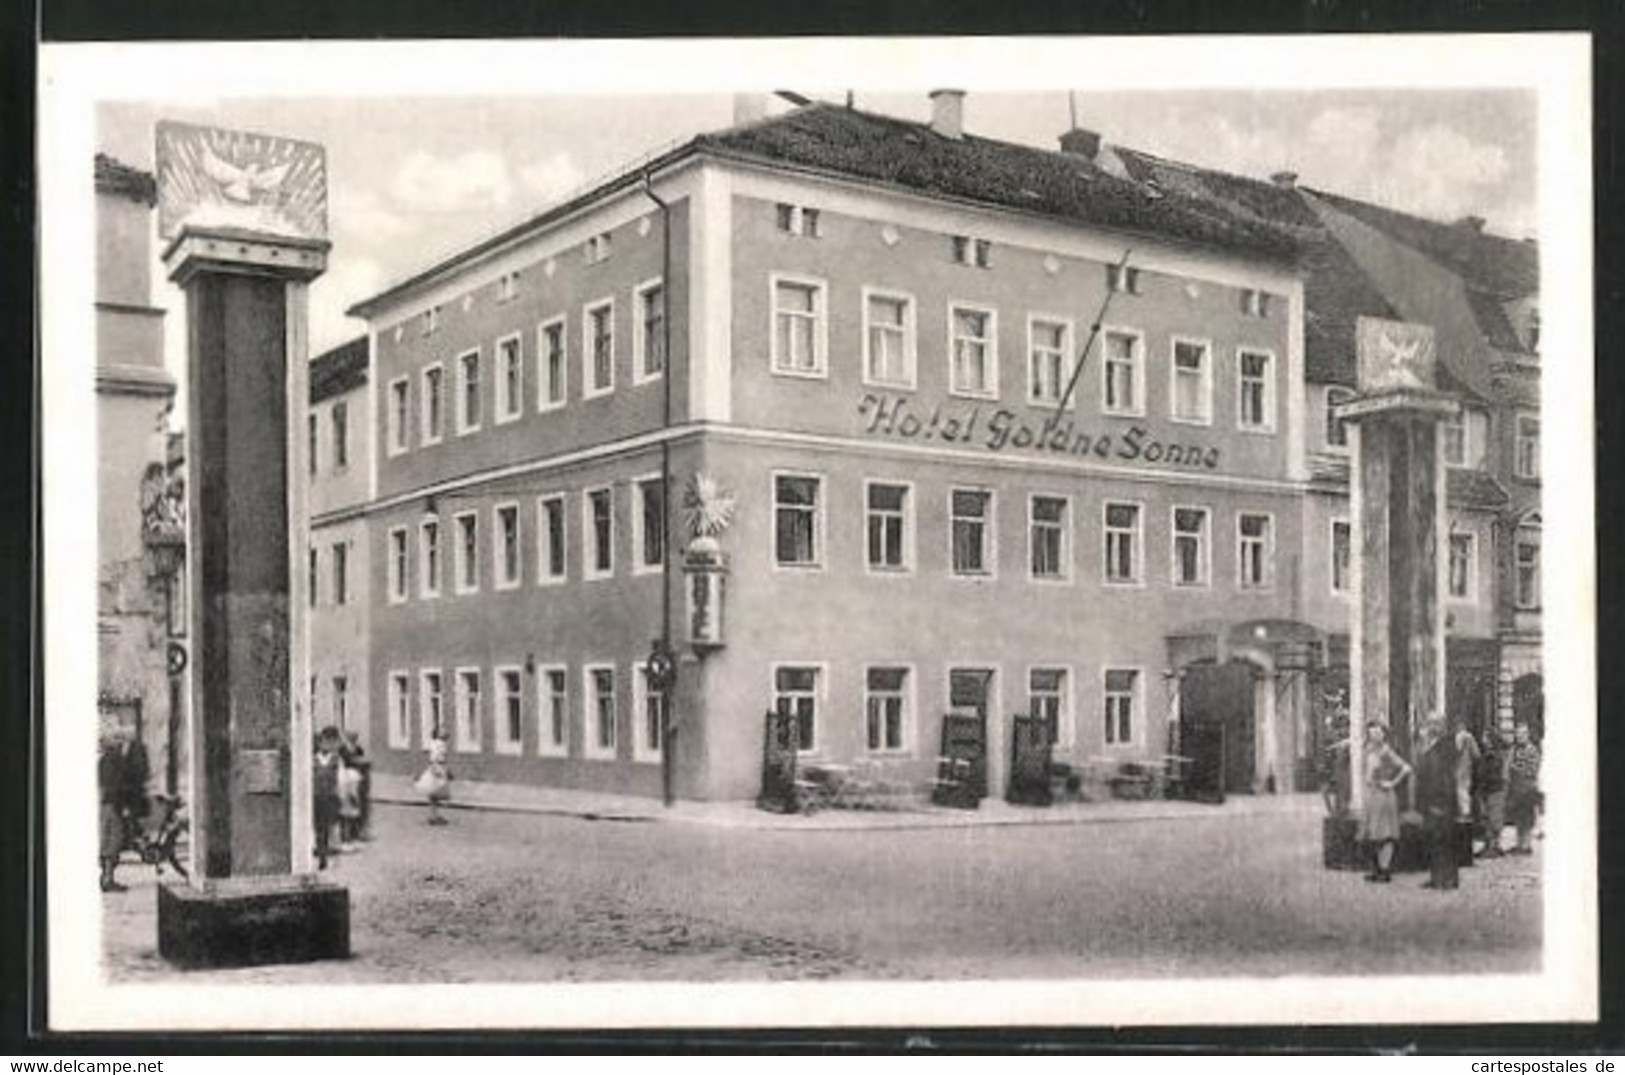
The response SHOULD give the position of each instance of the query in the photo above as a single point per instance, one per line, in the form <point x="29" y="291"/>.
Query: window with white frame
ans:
<point x="341" y="573"/>
<point x="1123" y="381"/>
<point x="468" y="392"/>
<point x="400" y="711"/>
<point x="553" y="707"/>
<point x="397" y="564"/>
<point x="1463" y="563"/>
<point x="1254" y="303"/>
<point x="468" y="710"/>
<point x="510" y="714"/>
<point x="550" y="562"/>
<point x="1192" y="388"/>
<point x="1255" y="551"/>
<point x="798" y="220"/>
<point x="1342" y="556"/>
<point x="1049" y="342"/>
<point x="797" y="524"/>
<point x="1335" y="430"/>
<point x="598" y="506"/>
<point x="1526" y="567"/>
<point x="971" y="531"/>
<point x="1046" y="526"/>
<point x="650" y="718"/>
<point x="1122" y="702"/>
<point x="649" y="332"/>
<point x="1255" y="390"/>
<point x="600" y="722"/>
<point x="887" y="514"/>
<point x="1122" y="542"/>
<point x="341" y="702"/>
<point x="1527" y="448"/>
<point x="431" y="712"/>
<point x="506" y="550"/>
<point x="886" y="709"/>
<point x="1123" y="279"/>
<point x="888" y="339"/>
<point x="1191" y="537"/>
<point x="1047" y="702"/>
<point x="1462" y="437"/>
<point x="552" y="366"/>
<point x="467" y="553"/>
<point x="429" y="558"/>
<point x="973" y="352"/>
<point x="977" y="253"/>
<point x="598" y="335"/>
<point x="434" y="404"/>
<point x="800" y="329"/>
<point x="796" y="692"/>
<point x="510" y="378"/>
<point x="649" y="524"/>
<point x="400" y="402"/>
<point x="341" y="435"/>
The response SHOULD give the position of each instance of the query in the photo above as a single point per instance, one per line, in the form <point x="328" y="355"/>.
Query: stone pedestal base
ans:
<point x="1340" y="845"/>
<point x="249" y="921"/>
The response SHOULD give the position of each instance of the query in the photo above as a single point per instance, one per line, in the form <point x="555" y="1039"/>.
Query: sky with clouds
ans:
<point x="412" y="179"/>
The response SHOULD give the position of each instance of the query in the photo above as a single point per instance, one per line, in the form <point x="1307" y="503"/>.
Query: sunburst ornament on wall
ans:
<point x="214" y="178"/>
<point x="707" y="507"/>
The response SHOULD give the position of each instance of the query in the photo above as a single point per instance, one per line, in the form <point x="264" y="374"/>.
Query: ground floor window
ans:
<point x="400" y="713"/>
<point x="430" y="712"/>
<point x="795" y="694"/>
<point x="510" y="715"/>
<point x="468" y="709"/>
<point x="552" y="704"/>
<point x="650" y="718"/>
<point x="886" y="708"/>
<point x="600" y="722"/>
<point x="1046" y="701"/>
<point x="1121" y="687"/>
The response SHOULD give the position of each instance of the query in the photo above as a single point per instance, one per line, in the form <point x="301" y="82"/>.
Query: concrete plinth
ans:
<point x="253" y="921"/>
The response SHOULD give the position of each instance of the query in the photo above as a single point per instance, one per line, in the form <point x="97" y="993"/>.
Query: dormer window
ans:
<point x="798" y="220"/>
<point x="1255" y="303"/>
<point x="597" y="248"/>
<point x="1123" y="279"/>
<point x="973" y="252"/>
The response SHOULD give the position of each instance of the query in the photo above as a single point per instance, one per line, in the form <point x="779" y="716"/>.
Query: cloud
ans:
<point x="477" y="180"/>
<point x="1438" y="171"/>
<point x="1341" y="143"/>
<point x="359" y="211"/>
<point x="348" y="280"/>
<point x="551" y="178"/>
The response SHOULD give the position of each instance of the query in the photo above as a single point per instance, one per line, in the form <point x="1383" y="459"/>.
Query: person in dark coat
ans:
<point x="1490" y="786"/>
<point x="324" y="787"/>
<point x="1523" y="786"/>
<point x="122" y="772"/>
<point x="1436" y="801"/>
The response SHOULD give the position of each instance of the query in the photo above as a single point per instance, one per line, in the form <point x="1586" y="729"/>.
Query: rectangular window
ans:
<point x="1123" y="386"/>
<point x="649" y="332"/>
<point x="1049" y="342"/>
<point x="341" y="435"/>
<point x="508" y="287"/>
<point x="1527" y="459"/>
<point x="1255" y="551"/>
<point x="795" y="695"/>
<point x="650" y="718"/>
<point x="1192" y="388"/>
<point x="313" y="440"/>
<point x="800" y="330"/>
<point x="1047" y="534"/>
<point x="397" y="565"/>
<point x="1122" y="542"/>
<point x="431" y="321"/>
<point x="888" y="526"/>
<point x="973" y="252"/>
<point x="1121" y="691"/>
<point x="598" y="334"/>
<point x="552" y="376"/>
<point x="468" y="710"/>
<point x="400" y="711"/>
<point x="400" y="403"/>
<point x="1046" y="701"/>
<point x="598" y="248"/>
<point x="468" y="552"/>
<point x="1336" y="430"/>
<point x="888" y="339"/>
<point x="973" y="352"/>
<point x="468" y="392"/>
<point x="599" y="524"/>
<point x="507" y="546"/>
<point x="972" y="531"/>
<point x="1191" y="527"/>
<point x="1526" y="552"/>
<point x="1463" y="549"/>
<point x="1255" y="391"/>
<point x="649" y="524"/>
<point x="510" y="379"/>
<point x="1123" y="279"/>
<point x="434" y="404"/>
<point x="550" y="538"/>
<point x="798" y="220"/>
<point x="886" y="709"/>
<point x="796" y="522"/>
<point x="314" y="575"/>
<point x="510" y="715"/>
<point x="341" y="702"/>
<point x="429" y="558"/>
<point x="552" y="702"/>
<point x="601" y="711"/>
<point x="341" y="573"/>
<point x="1453" y="440"/>
<point x="1255" y="303"/>
<point x="430" y="708"/>
<point x="1342" y="556"/>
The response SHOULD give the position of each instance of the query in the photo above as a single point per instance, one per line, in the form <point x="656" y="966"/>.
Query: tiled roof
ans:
<point x="1493" y="321"/>
<point x="116" y="177"/>
<point x="911" y="156"/>
<point x="1475" y="489"/>
<point x="332" y="373"/>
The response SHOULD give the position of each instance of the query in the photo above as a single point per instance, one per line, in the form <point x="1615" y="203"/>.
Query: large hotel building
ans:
<point x="830" y="352"/>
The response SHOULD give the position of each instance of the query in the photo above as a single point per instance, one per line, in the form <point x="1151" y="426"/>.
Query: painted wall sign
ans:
<point x="213" y="178"/>
<point x="1394" y="354"/>
<point x="999" y="429"/>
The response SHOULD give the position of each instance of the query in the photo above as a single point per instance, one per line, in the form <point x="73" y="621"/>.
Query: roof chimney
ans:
<point x="1288" y="180"/>
<point x="948" y="113"/>
<point x="1081" y="143"/>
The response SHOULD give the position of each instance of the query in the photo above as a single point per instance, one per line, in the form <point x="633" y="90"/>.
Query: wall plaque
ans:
<point x="261" y="771"/>
<point x="213" y="178"/>
<point x="1394" y="355"/>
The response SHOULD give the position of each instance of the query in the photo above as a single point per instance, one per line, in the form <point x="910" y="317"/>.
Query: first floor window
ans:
<point x="1046" y="701"/>
<point x="1121" y="371"/>
<point x="1190" y="546"/>
<point x="434" y="404"/>
<point x="973" y="356"/>
<point x="1254" y="551"/>
<point x="651" y="324"/>
<point x="651" y="523"/>
<point x="1121" y="685"/>
<point x="468" y="553"/>
<point x="507" y="538"/>
<point x="1047" y="534"/>
<point x="1342" y="556"/>
<point x="430" y="711"/>
<point x="400" y="402"/>
<point x="341" y="435"/>
<point x="795" y="519"/>
<point x="510" y="716"/>
<point x="650" y="719"/>
<point x="888" y="526"/>
<point x="312" y="439"/>
<point x="601" y="716"/>
<point x="888" y="340"/>
<point x="1046" y="361"/>
<point x="510" y="377"/>
<point x="341" y="573"/>
<point x="885" y="707"/>
<point x="554" y="704"/>
<point x="1193" y="382"/>
<point x="400" y="711"/>
<point x="550" y="535"/>
<point x="468" y="408"/>
<point x="468" y="709"/>
<point x="798" y="327"/>
<point x="552" y="366"/>
<point x="397" y="564"/>
<point x="429" y="557"/>
<point x="795" y="696"/>
<point x="600" y="533"/>
<point x="972" y="511"/>
<point x="1122" y="542"/>
<point x="1461" y="566"/>
<point x="1256" y="402"/>
<point x="600" y="344"/>
<point x="1527" y="557"/>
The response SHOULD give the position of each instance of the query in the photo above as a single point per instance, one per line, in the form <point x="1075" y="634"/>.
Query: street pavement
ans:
<point x="502" y="896"/>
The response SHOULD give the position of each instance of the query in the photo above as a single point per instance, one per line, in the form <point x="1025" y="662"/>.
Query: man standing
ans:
<point x="1436" y="799"/>
<point x="1490" y="782"/>
<point x="121" y="778"/>
<point x="1523" y="787"/>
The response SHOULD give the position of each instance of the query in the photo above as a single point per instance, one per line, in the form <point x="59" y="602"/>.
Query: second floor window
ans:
<point x="1193" y="382"/>
<point x="553" y="366"/>
<point x="798" y="327"/>
<point x="974" y="356"/>
<point x="1254" y="551"/>
<point x="397" y="564"/>
<point x="795" y="520"/>
<point x="888" y="340"/>
<point x="1255" y="391"/>
<point x="550" y="537"/>
<point x="510" y="377"/>
<point x="1526" y="566"/>
<point x="429" y="558"/>
<point x="313" y="438"/>
<point x="400" y="403"/>
<point x="1046" y="361"/>
<point x="434" y="404"/>
<point x="341" y="573"/>
<point x="1123" y="384"/>
<point x="651" y="523"/>
<point x="600" y="334"/>
<point x="651" y="324"/>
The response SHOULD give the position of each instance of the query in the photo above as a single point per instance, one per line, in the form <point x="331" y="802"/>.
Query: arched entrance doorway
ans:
<point x="1529" y="704"/>
<point x="1216" y="726"/>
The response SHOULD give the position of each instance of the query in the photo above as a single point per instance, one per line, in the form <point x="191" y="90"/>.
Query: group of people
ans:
<point x="341" y="792"/>
<point x="1462" y="791"/>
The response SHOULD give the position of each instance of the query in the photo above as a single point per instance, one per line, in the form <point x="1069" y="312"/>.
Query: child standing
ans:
<point x="435" y="780"/>
<point x="325" y="791"/>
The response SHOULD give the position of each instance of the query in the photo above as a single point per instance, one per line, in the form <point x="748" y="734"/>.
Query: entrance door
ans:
<point x="1216" y="706"/>
<point x="969" y="690"/>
